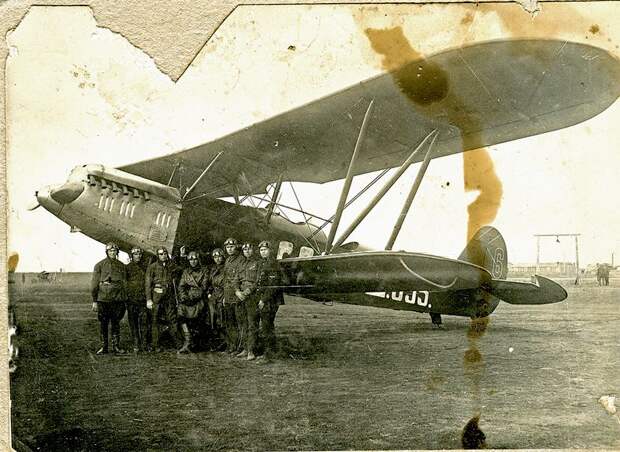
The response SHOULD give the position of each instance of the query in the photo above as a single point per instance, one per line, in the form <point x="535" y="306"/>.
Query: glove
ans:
<point x="261" y="305"/>
<point x="240" y="295"/>
<point x="149" y="304"/>
<point x="95" y="307"/>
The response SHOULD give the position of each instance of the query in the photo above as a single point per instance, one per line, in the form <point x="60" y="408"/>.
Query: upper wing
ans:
<point x="381" y="271"/>
<point x="476" y="96"/>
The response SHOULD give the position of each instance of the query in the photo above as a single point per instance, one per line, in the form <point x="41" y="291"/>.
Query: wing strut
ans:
<point x="347" y="182"/>
<point x="174" y="171"/>
<point x="265" y="197"/>
<point x="379" y="196"/>
<point x="412" y="193"/>
<point x="190" y="189"/>
<point x="316" y="247"/>
<point x="294" y="209"/>
<point x="274" y="199"/>
<point x="352" y="200"/>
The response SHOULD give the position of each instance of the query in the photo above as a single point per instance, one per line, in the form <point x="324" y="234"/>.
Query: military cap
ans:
<point x="217" y="252"/>
<point x="111" y="246"/>
<point x="247" y="246"/>
<point x="136" y="250"/>
<point x="230" y="241"/>
<point x="264" y="244"/>
<point x="192" y="255"/>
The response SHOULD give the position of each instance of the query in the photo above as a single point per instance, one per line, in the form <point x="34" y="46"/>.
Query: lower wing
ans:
<point x="374" y="271"/>
<point x="388" y="271"/>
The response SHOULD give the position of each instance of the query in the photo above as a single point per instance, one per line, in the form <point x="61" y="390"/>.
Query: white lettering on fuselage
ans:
<point x="416" y="297"/>
<point x="419" y="297"/>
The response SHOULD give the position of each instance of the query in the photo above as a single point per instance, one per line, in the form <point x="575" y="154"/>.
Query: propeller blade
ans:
<point x="34" y="205"/>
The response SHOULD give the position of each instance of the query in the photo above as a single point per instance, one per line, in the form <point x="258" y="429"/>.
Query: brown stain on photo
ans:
<point x="479" y="175"/>
<point x="467" y="19"/>
<point x="477" y="329"/>
<point x="472" y="359"/>
<point x="425" y="83"/>
<point x="12" y="262"/>
<point x="474" y="369"/>
<point x="552" y="24"/>
<point x="472" y="436"/>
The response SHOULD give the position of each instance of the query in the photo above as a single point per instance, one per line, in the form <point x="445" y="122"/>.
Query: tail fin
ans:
<point x="488" y="250"/>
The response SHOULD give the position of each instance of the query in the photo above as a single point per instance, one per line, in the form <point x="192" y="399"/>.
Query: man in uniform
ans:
<point x="270" y="296"/>
<point x="192" y="293"/>
<point x="160" y="287"/>
<point x="108" y="290"/>
<point x="216" y="299"/>
<point x="136" y="300"/>
<point x="249" y="280"/>
<point x="234" y="312"/>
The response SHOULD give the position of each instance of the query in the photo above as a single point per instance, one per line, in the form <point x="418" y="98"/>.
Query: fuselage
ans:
<point x="107" y="204"/>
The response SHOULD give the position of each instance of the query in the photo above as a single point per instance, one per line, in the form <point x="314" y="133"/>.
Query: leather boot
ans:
<point x="187" y="339"/>
<point x="115" y="345"/>
<point x="104" y="343"/>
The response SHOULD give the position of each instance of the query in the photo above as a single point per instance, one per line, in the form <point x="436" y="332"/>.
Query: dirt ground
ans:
<point x="346" y="377"/>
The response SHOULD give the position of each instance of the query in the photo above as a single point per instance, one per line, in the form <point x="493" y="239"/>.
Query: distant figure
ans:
<point x="599" y="274"/>
<point x="108" y="290"/>
<point x="606" y="269"/>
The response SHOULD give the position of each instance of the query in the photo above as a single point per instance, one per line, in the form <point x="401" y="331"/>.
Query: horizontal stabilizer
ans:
<point x="540" y="291"/>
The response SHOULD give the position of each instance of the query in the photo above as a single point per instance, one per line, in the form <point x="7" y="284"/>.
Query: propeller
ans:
<point x="34" y="204"/>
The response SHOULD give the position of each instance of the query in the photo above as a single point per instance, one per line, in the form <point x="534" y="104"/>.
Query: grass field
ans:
<point x="346" y="377"/>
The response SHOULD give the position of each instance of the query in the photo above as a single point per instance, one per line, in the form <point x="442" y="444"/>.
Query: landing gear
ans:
<point x="436" y="319"/>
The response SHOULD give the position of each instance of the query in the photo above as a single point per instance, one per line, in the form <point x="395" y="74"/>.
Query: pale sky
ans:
<point x="77" y="94"/>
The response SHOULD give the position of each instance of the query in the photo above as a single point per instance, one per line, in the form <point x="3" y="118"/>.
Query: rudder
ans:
<point x="488" y="250"/>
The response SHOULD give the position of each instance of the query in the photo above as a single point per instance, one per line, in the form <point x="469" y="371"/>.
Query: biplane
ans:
<point x="451" y="102"/>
